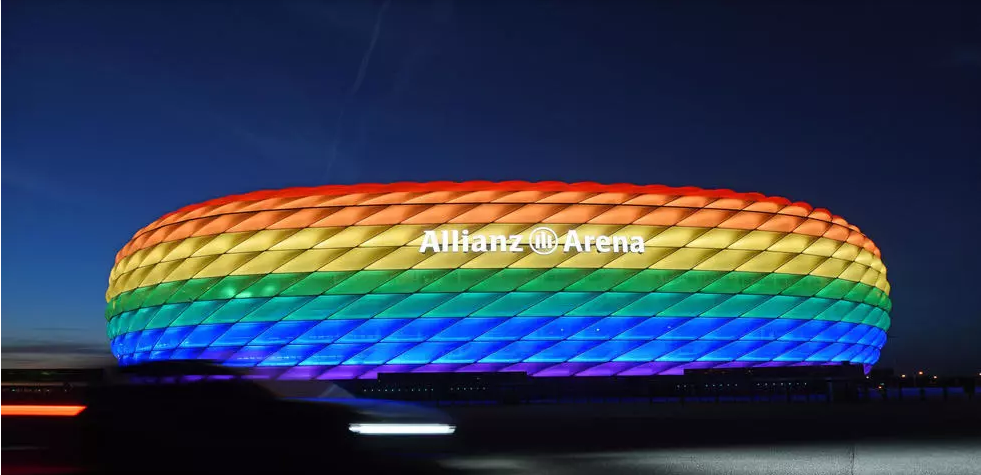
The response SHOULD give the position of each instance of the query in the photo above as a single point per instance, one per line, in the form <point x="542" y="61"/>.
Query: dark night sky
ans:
<point x="118" y="112"/>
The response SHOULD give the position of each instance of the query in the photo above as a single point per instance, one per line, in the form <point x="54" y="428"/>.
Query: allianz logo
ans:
<point x="541" y="240"/>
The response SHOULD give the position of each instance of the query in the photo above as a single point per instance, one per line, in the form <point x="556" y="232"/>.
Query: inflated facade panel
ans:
<point x="347" y="281"/>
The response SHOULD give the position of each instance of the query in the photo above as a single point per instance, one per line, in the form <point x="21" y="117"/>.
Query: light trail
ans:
<point x="40" y="411"/>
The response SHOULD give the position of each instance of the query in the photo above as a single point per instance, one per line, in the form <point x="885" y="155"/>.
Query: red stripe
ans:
<point x="589" y="187"/>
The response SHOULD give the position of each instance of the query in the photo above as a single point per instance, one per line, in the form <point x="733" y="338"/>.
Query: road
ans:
<point x="730" y="438"/>
<point x="925" y="457"/>
<point x="611" y="439"/>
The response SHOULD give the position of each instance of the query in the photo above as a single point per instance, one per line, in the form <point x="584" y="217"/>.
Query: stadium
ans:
<point x="547" y="278"/>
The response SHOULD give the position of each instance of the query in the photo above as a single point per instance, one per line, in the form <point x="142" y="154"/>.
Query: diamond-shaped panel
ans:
<point x="331" y="279"/>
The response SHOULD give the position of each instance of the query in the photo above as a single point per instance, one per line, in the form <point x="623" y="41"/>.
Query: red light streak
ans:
<point x="38" y="410"/>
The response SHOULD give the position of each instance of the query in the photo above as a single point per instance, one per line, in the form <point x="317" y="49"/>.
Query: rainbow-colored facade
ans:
<point x="335" y="282"/>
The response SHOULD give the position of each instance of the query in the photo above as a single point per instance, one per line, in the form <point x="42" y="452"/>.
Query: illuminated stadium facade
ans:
<point x="548" y="278"/>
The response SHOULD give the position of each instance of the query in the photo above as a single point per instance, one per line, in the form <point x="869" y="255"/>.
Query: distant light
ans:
<point x="934" y="377"/>
<point x="919" y="373"/>
<point x="37" y="410"/>
<point x="402" y="429"/>
<point x="903" y="376"/>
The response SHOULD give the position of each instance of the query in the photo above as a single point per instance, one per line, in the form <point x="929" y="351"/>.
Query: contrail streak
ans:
<point x="371" y="48"/>
<point x="362" y="70"/>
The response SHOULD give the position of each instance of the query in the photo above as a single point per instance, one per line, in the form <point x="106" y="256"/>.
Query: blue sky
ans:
<point x="118" y="112"/>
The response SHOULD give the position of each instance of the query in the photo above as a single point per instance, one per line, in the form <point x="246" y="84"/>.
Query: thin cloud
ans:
<point x="48" y="188"/>
<point x="359" y="79"/>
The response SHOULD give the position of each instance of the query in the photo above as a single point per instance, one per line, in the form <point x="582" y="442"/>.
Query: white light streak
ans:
<point x="402" y="429"/>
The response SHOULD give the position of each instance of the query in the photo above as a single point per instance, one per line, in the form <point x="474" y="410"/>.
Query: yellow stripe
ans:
<point x="262" y="240"/>
<point x="801" y="264"/>
<point x="764" y="263"/>
<point x="401" y="258"/>
<point x="726" y="260"/>
<point x="396" y="247"/>
<point x="223" y="244"/>
<point x="411" y="235"/>
<point x="718" y="238"/>
<point x="757" y="240"/>
<point x="795" y="243"/>
<point x="853" y="272"/>
<point x="306" y="238"/>
<point x="823" y="247"/>
<point x="311" y="260"/>
<point x="362" y="258"/>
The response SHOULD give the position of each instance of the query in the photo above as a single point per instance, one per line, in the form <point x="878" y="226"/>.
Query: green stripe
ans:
<point x="498" y="304"/>
<point x="496" y="280"/>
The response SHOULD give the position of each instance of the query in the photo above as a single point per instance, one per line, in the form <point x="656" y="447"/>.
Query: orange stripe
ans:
<point x="837" y="232"/>
<point x="764" y="206"/>
<point x="746" y="220"/>
<point x="651" y="200"/>
<point x="499" y="212"/>
<point x="347" y="216"/>
<point x="435" y="197"/>
<point x="691" y="201"/>
<point x="728" y="203"/>
<point x="706" y="218"/>
<point x="480" y="196"/>
<point x="471" y="192"/>
<point x="485" y="213"/>
<point x="576" y="214"/>
<point x="664" y="216"/>
<point x="364" y="199"/>
<point x="522" y="197"/>
<point x="781" y="224"/>
<point x="391" y="198"/>
<point x="260" y="220"/>
<point x="220" y="224"/>
<point x="439" y="214"/>
<point x="479" y="186"/>
<point x="797" y="209"/>
<point x="304" y="218"/>
<point x="394" y="213"/>
<point x="813" y="227"/>
<point x="531" y="214"/>
<point x="621" y="214"/>
<point x="609" y="198"/>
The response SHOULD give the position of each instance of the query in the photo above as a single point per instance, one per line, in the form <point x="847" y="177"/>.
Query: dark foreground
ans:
<point x="874" y="457"/>
<point x="733" y="438"/>
<point x="575" y="428"/>
<point x="722" y="438"/>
